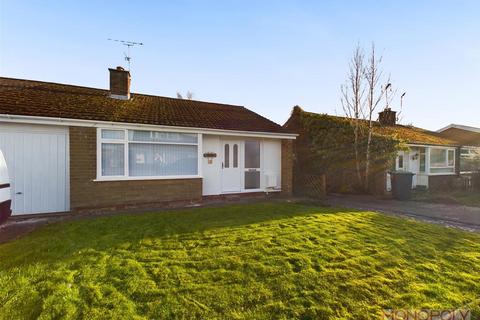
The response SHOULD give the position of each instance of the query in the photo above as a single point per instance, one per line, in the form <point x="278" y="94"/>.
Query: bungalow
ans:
<point x="71" y="148"/>
<point x="469" y="138"/>
<point x="432" y="158"/>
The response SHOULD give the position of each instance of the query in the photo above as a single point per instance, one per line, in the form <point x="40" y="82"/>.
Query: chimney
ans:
<point x="119" y="83"/>
<point x="387" y="117"/>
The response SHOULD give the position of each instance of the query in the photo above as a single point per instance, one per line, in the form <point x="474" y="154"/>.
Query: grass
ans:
<point x="467" y="198"/>
<point x="259" y="261"/>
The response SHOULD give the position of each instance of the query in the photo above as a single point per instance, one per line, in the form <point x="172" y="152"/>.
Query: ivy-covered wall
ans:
<point x="325" y="146"/>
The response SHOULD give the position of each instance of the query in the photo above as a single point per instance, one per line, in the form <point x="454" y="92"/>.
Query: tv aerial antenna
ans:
<point x="128" y="44"/>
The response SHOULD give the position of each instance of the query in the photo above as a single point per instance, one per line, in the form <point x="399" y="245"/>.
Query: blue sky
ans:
<point x="265" y="55"/>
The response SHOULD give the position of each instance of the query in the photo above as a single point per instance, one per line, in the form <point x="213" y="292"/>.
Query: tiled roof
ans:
<point x="464" y="136"/>
<point x="414" y="135"/>
<point x="408" y="134"/>
<point x="44" y="99"/>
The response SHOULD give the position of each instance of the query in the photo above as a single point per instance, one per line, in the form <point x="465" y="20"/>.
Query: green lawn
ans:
<point x="467" y="198"/>
<point x="259" y="261"/>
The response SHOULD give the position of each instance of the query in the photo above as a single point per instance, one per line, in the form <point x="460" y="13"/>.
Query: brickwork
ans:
<point x="119" y="82"/>
<point x="85" y="193"/>
<point x="443" y="183"/>
<point x="287" y="167"/>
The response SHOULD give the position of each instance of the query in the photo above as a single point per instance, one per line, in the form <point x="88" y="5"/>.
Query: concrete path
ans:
<point x="458" y="216"/>
<point x="13" y="229"/>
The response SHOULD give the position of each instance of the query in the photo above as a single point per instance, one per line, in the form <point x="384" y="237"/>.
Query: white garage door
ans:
<point x="37" y="161"/>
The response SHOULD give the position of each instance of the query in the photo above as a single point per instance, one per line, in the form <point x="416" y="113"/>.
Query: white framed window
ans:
<point x="143" y="154"/>
<point x="442" y="160"/>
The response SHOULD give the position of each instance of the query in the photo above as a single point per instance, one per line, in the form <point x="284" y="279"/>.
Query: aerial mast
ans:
<point x="128" y="44"/>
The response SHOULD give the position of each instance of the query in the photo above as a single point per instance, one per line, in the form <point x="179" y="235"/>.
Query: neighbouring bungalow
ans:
<point x="432" y="157"/>
<point x="469" y="138"/>
<point x="71" y="148"/>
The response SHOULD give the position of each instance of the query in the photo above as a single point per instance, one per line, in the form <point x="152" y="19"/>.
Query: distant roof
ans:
<point x="46" y="99"/>
<point x="461" y="127"/>
<point x="409" y="134"/>
<point x="467" y="136"/>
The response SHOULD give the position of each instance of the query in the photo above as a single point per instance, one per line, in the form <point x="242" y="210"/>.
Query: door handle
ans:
<point x="18" y="192"/>
<point x="222" y="164"/>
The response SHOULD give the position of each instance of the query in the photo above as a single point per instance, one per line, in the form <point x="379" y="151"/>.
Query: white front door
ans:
<point x="37" y="162"/>
<point x="231" y="168"/>
<point x="414" y="166"/>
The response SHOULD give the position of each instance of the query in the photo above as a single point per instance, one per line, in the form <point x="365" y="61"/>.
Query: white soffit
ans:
<point x="125" y="125"/>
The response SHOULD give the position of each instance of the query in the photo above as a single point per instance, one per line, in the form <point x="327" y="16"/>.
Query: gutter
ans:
<point x="127" y="125"/>
<point x="433" y="145"/>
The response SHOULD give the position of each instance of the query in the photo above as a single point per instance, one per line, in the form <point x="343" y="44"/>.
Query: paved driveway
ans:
<point x="458" y="216"/>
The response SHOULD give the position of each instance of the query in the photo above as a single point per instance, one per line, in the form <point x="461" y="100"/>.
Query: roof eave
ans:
<point x="97" y="123"/>
<point x="420" y="144"/>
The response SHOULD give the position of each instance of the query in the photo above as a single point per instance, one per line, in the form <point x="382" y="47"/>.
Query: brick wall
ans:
<point x="88" y="194"/>
<point x="287" y="167"/>
<point x="443" y="183"/>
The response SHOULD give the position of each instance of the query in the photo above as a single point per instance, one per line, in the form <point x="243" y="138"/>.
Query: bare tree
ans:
<point x="375" y="93"/>
<point x="362" y="95"/>
<point x="188" y="95"/>
<point x="353" y="101"/>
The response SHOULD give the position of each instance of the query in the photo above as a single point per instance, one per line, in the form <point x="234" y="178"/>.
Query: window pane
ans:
<point x="438" y="158"/>
<point x="451" y="158"/>
<point x="470" y="159"/>
<point x="252" y="154"/>
<point x="162" y="160"/>
<point x="155" y="136"/>
<point x="400" y="162"/>
<point x="423" y="159"/>
<point x="469" y="165"/>
<point x="252" y="179"/>
<point x="113" y="134"/>
<point x="227" y="155"/>
<point x="113" y="159"/>
<point x="235" y="155"/>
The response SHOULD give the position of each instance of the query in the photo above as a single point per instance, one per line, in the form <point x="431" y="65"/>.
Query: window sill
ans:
<point x="266" y="190"/>
<point x="106" y="179"/>
<point x="442" y="174"/>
